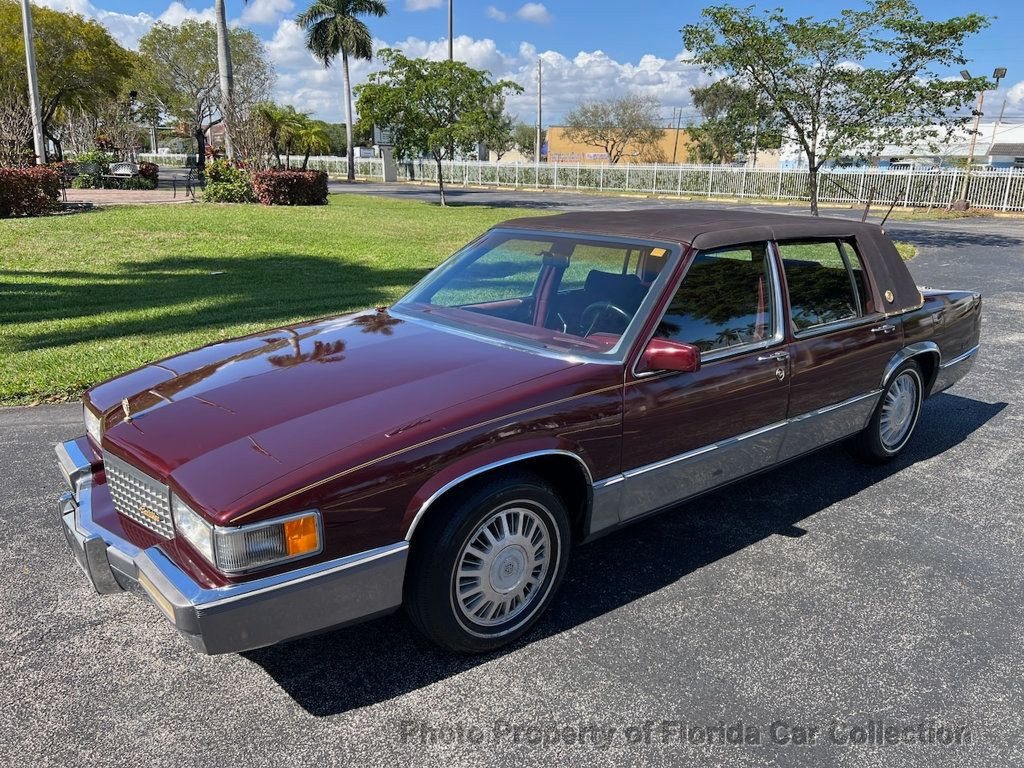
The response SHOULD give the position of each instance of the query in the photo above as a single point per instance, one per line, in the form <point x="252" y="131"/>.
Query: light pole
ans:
<point x="536" y="148"/>
<point x="451" y="54"/>
<point x="962" y="204"/>
<point x="33" y="83"/>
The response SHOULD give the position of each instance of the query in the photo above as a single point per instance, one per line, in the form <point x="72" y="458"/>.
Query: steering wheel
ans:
<point x="596" y="310"/>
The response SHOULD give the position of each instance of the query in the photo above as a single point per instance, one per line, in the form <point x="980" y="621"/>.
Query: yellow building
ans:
<point x="674" y="143"/>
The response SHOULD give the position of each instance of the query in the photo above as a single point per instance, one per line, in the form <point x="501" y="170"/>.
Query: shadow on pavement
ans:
<point x="350" y="668"/>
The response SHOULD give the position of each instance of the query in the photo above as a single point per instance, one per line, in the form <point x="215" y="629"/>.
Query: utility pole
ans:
<point x="757" y="126"/>
<point x="962" y="204"/>
<point x="451" y="54"/>
<point x="33" y="83"/>
<point x="536" y="149"/>
<point x="677" y="120"/>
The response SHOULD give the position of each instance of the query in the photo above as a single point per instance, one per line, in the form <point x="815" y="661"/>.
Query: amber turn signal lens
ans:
<point x="301" y="535"/>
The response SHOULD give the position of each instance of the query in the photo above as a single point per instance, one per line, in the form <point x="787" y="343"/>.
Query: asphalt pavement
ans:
<point x="802" y="612"/>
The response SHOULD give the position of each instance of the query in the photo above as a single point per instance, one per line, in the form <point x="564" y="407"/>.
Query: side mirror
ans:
<point x="665" y="355"/>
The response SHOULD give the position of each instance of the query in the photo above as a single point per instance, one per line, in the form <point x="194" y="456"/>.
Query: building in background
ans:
<point x="1000" y="144"/>
<point x="674" y="142"/>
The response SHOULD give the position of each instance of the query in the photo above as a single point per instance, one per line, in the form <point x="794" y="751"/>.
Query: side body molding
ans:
<point x="487" y="468"/>
<point x="909" y="351"/>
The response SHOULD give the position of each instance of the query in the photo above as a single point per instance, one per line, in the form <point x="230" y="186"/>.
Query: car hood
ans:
<point x="224" y="420"/>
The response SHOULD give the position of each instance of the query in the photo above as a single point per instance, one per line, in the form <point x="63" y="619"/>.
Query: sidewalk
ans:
<point x="127" y="196"/>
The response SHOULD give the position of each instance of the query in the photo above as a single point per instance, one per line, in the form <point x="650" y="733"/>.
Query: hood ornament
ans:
<point x="126" y="408"/>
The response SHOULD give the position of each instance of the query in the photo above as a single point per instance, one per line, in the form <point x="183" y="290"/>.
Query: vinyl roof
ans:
<point x="706" y="228"/>
<point x="701" y="227"/>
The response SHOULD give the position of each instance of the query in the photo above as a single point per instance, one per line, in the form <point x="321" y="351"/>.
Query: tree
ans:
<point x="280" y="125"/>
<point x="80" y="65"/>
<point x="181" y="74"/>
<point x="332" y="28"/>
<point x="852" y="83"/>
<point x="434" y="108"/>
<point x="15" y="125"/>
<point x="615" y="125"/>
<point x="525" y="137"/>
<point x="499" y="138"/>
<point x="735" y="122"/>
<point x="311" y="137"/>
<point x="224" y="74"/>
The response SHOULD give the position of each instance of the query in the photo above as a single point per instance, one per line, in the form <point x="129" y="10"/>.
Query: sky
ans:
<point x="591" y="49"/>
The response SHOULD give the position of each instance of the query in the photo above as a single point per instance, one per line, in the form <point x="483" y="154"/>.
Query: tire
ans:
<point x="895" y="417"/>
<point x="488" y="563"/>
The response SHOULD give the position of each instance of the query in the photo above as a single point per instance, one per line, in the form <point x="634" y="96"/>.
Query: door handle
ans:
<point x="774" y="356"/>
<point x="886" y="328"/>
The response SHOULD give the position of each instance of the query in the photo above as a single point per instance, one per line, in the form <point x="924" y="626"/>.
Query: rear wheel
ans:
<point x="893" y="422"/>
<point x="488" y="563"/>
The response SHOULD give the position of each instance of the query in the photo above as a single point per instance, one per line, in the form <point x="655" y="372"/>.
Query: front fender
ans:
<point x="482" y="461"/>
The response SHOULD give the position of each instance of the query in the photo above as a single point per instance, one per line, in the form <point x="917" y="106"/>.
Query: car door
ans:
<point x="840" y="344"/>
<point x="684" y="433"/>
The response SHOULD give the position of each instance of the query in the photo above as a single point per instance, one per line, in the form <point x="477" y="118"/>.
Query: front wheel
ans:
<point x="488" y="563"/>
<point x="895" y="417"/>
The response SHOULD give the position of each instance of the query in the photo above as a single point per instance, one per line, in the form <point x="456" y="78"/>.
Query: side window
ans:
<point x="821" y="286"/>
<point x="726" y="300"/>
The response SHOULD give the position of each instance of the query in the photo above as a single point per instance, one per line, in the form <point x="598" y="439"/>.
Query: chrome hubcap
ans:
<point x="898" y="410"/>
<point x="502" y="567"/>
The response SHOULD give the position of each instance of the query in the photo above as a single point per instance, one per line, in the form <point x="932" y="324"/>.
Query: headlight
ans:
<point x="191" y="527"/>
<point x="249" y="547"/>
<point x="93" y="424"/>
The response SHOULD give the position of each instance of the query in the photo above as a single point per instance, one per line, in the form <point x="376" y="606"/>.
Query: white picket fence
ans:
<point x="1000" y="190"/>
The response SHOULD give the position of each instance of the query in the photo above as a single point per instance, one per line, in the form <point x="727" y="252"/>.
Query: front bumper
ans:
<point x="241" y="616"/>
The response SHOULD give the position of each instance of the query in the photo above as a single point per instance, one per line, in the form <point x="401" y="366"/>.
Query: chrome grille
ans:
<point x="134" y="491"/>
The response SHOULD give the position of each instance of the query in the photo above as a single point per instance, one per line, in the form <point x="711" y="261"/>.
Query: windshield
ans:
<point x="572" y="293"/>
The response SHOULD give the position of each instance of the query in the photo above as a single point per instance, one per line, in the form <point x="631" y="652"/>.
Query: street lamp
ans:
<point x="962" y="204"/>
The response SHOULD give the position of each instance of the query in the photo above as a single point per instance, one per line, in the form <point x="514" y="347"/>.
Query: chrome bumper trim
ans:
<point x="241" y="616"/>
<point x="951" y="371"/>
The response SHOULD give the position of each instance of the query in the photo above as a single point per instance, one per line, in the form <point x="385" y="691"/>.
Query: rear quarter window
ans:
<point x="821" y="286"/>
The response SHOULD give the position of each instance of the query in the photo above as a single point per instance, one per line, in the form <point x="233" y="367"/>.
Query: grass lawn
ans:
<point x="84" y="297"/>
<point x="87" y="296"/>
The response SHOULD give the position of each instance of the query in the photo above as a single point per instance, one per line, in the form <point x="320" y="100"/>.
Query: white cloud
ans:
<point x="496" y="14"/>
<point x="535" y="12"/>
<point x="177" y="12"/>
<point x="1015" y="96"/>
<point x="265" y="11"/>
<point x="587" y="75"/>
<point x="568" y="79"/>
<point x="125" y="28"/>
<point x="287" y="48"/>
<point x="421" y="5"/>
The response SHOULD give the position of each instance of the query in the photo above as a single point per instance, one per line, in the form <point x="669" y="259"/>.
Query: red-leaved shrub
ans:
<point x="150" y="171"/>
<point x="28" y="191"/>
<point x="281" y="187"/>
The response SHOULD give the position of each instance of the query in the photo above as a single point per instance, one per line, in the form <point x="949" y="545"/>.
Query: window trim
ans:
<point x="779" y="331"/>
<point x="861" y="316"/>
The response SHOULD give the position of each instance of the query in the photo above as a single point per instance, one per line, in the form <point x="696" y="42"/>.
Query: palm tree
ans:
<point x="280" y="123"/>
<point x="331" y="29"/>
<point x="311" y="137"/>
<point x="227" y="78"/>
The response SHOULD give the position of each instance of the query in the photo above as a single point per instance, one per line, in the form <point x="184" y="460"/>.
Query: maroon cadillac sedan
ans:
<point x="557" y="378"/>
